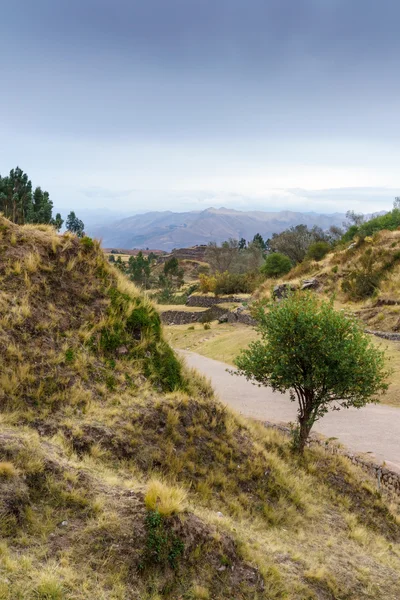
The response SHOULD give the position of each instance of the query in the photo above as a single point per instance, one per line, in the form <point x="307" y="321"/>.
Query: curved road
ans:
<point x="374" y="428"/>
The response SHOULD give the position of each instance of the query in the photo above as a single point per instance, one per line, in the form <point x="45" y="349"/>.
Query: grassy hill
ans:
<point x="122" y="477"/>
<point x="363" y="276"/>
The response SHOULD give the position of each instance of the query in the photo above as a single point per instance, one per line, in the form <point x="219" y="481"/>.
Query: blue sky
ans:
<point x="182" y="104"/>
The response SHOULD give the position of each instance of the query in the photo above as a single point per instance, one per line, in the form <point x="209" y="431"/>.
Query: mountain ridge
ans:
<point x="167" y="229"/>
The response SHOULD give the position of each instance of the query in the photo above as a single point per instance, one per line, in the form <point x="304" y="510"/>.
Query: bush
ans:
<point x="276" y="264"/>
<point x="318" y="250"/>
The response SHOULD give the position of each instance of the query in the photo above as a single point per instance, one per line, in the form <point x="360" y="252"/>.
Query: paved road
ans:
<point x="374" y="428"/>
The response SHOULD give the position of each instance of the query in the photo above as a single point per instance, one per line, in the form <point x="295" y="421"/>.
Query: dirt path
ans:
<point x="375" y="428"/>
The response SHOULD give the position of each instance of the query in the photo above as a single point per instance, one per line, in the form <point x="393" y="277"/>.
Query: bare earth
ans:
<point x="374" y="429"/>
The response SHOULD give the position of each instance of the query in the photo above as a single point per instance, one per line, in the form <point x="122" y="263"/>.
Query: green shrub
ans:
<point x="87" y="243"/>
<point x="162" y="547"/>
<point x="318" y="250"/>
<point x="234" y="283"/>
<point x="276" y="264"/>
<point x="371" y="269"/>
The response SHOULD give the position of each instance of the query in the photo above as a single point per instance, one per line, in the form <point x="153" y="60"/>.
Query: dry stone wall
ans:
<point x="385" y="478"/>
<point x="208" y="301"/>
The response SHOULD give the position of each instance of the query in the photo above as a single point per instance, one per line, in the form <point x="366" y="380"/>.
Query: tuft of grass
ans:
<point x="199" y="592"/>
<point x="7" y="470"/>
<point x="165" y="499"/>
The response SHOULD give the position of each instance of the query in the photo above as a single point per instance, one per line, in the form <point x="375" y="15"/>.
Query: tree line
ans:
<point x="21" y="204"/>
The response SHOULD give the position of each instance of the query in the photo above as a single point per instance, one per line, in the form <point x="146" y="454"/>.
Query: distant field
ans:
<point x="224" y="341"/>
<point x="221" y="342"/>
<point x="180" y="307"/>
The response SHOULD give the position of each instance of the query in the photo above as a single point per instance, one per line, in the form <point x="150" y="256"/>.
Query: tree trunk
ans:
<point x="304" y="432"/>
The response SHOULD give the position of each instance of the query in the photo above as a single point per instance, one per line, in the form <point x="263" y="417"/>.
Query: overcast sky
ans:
<point x="137" y="105"/>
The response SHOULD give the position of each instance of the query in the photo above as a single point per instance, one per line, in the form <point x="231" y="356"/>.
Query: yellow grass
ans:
<point x="165" y="499"/>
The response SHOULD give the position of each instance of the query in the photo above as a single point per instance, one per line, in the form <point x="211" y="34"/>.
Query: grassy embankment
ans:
<point x="123" y="478"/>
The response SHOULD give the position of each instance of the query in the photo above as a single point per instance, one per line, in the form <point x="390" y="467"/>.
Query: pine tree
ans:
<point x="16" y="196"/>
<point x="75" y="225"/>
<point x="42" y="207"/>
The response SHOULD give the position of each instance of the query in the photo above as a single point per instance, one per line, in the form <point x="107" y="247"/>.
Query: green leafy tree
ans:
<point x="75" y="225"/>
<point x="242" y="244"/>
<point x="276" y="264"/>
<point x="319" y="355"/>
<point x="139" y="269"/>
<point x="318" y="250"/>
<point x="295" y="241"/>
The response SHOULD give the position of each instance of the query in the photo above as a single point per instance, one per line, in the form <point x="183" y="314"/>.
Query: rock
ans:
<point x="353" y="245"/>
<point x="122" y="350"/>
<point x="238" y="310"/>
<point x="282" y="290"/>
<point x="310" y="284"/>
<point x="219" y="514"/>
<point x="221" y="568"/>
<point x="63" y="523"/>
<point x="223" y="318"/>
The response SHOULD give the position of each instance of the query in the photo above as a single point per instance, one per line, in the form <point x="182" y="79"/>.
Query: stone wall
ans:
<point x="386" y="335"/>
<point x="208" y="301"/>
<point x="385" y="478"/>
<point x="180" y="317"/>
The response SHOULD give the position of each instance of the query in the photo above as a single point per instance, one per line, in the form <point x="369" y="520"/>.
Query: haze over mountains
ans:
<point x="167" y="230"/>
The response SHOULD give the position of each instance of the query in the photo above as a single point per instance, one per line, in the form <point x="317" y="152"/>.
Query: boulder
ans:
<point x="282" y="290"/>
<point x="310" y="284"/>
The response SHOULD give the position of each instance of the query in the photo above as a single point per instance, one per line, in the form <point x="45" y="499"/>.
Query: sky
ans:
<point x="137" y="105"/>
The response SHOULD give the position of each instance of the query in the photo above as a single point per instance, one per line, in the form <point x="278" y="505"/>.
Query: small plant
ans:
<point x="199" y="592"/>
<point x="207" y="326"/>
<point x="163" y="547"/>
<point x="164" y="499"/>
<point x="87" y="243"/>
<point x="7" y="470"/>
<point x="69" y="355"/>
<point x="335" y="269"/>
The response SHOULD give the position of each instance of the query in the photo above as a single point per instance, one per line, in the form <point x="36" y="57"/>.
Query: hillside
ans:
<point x="363" y="277"/>
<point x="121" y="475"/>
<point x="168" y="230"/>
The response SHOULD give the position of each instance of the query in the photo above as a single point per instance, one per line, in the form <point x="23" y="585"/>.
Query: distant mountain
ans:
<point x="168" y="230"/>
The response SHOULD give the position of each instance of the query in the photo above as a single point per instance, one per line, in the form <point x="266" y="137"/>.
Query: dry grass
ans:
<point x="89" y="442"/>
<point x="165" y="499"/>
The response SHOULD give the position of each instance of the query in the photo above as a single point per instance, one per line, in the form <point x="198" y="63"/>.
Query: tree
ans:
<point x="242" y="244"/>
<point x="75" y="225"/>
<point x="42" y="207"/>
<point x="258" y="240"/>
<point x="354" y="218"/>
<point x="276" y="264"/>
<point x="57" y="222"/>
<point x="16" y="196"/>
<point x="173" y="274"/>
<point x="139" y="269"/>
<point x="320" y="355"/>
<point x="294" y="242"/>
<point x="221" y="258"/>
<point x="318" y="250"/>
